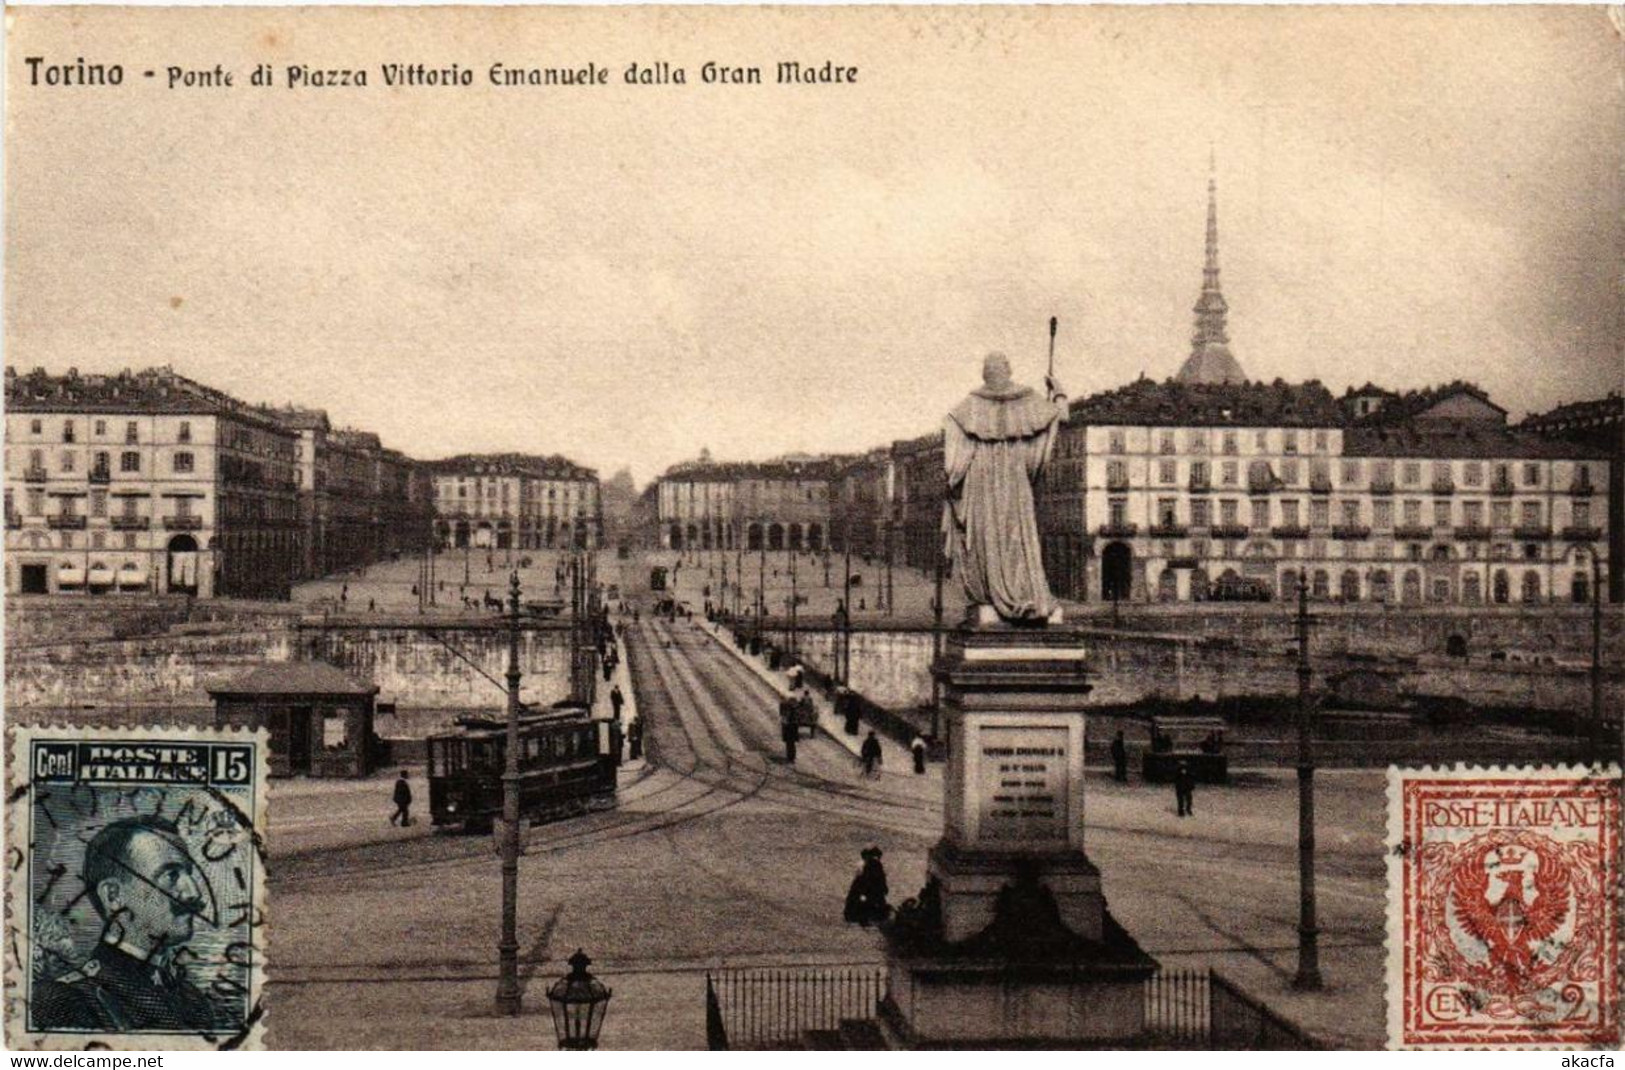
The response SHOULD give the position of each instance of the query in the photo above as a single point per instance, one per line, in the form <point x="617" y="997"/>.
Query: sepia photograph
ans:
<point x="814" y="528"/>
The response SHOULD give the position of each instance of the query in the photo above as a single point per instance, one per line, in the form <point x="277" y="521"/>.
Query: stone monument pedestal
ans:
<point x="1011" y="943"/>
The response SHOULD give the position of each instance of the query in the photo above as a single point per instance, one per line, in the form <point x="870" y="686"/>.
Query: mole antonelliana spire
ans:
<point x="1210" y="360"/>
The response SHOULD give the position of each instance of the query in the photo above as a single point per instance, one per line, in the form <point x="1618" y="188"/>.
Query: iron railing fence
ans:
<point x="774" y="1009"/>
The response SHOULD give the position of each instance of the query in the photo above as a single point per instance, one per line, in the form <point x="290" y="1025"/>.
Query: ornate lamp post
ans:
<point x="508" y="945"/>
<point x="1308" y="977"/>
<point x="579" y="1002"/>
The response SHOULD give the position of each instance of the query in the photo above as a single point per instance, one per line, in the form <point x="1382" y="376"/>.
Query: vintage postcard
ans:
<point x="135" y="888"/>
<point x="1503" y="907"/>
<point x="814" y="528"/>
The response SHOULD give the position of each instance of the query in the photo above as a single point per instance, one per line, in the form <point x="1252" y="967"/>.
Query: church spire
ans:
<point x="1210" y="360"/>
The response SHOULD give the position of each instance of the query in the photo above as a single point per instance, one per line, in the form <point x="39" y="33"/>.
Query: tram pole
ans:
<point x="508" y="946"/>
<point x="1308" y="977"/>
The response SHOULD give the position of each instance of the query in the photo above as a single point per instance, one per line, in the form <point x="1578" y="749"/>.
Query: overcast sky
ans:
<point x="627" y="274"/>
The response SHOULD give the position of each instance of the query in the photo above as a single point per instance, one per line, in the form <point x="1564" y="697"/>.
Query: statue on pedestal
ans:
<point x="995" y="445"/>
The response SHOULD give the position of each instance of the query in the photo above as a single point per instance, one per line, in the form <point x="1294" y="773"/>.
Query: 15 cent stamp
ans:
<point x="1503" y="907"/>
<point x="135" y="888"/>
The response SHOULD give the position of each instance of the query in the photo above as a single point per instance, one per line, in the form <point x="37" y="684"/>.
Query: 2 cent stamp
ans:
<point x="1503" y="907"/>
<point x="135" y="888"/>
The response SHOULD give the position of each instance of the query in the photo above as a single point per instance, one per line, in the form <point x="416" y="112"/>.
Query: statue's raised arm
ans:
<point x="995" y="445"/>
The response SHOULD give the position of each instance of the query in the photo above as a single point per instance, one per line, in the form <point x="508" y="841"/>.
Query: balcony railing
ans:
<point x="1320" y="484"/>
<point x="1531" y="532"/>
<point x="1444" y="486"/>
<point x="1582" y="488"/>
<point x="1200" y="486"/>
<point x="1290" y="531"/>
<point x="1119" y="531"/>
<point x="183" y="523"/>
<point x="130" y="523"/>
<point x="1473" y="533"/>
<point x="1230" y="531"/>
<point x="34" y="474"/>
<point x="1501" y="487"/>
<point x="1382" y="486"/>
<point x="1351" y="531"/>
<point x="66" y="522"/>
<point x="1117" y="482"/>
<point x="1413" y="532"/>
<point x="1168" y="531"/>
<point x="100" y="475"/>
<point x="1582" y="533"/>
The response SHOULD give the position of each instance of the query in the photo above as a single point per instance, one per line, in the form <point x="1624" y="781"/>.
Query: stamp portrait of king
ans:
<point x="135" y="888"/>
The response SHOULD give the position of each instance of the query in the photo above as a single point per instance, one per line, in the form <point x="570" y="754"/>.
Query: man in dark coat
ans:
<point x="634" y="736"/>
<point x="616" y="700"/>
<point x="866" y="897"/>
<point x="1184" y="790"/>
<point x="403" y="802"/>
<point x="142" y="881"/>
<point x="869" y="754"/>
<point x="918" y="748"/>
<point x="1119" y="758"/>
<point x="788" y="730"/>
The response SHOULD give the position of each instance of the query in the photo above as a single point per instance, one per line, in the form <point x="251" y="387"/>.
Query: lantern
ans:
<point x="579" y="1001"/>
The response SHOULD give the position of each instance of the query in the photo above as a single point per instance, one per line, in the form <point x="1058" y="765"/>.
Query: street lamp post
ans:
<point x="936" y="644"/>
<point x="795" y="597"/>
<point x="1308" y="977"/>
<point x="846" y="598"/>
<point x="1599" y="735"/>
<point x="508" y="945"/>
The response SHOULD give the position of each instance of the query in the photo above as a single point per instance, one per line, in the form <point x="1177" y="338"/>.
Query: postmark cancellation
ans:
<point x="1503" y="907"/>
<point x="135" y="888"/>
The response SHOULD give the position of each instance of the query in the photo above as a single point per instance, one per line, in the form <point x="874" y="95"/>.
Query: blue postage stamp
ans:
<point x="135" y="888"/>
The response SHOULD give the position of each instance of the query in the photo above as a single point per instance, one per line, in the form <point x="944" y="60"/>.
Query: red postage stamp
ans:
<point x="1503" y="908"/>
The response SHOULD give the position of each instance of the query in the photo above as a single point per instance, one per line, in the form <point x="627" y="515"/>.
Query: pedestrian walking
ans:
<point x="846" y="704"/>
<point x="372" y="605"/>
<point x="634" y="736"/>
<point x="1184" y="790"/>
<point x="616" y="700"/>
<point x="866" y="896"/>
<point x="788" y="730"/>
<point x="1119" y="758"/>
<point x="869" y="754"/>
<point x="403" y="802"/>
<point x="917" y="746"/>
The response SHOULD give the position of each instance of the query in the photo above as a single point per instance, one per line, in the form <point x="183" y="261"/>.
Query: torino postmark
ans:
<point x="135" y="888"/>
<point x="1503" y="907"/>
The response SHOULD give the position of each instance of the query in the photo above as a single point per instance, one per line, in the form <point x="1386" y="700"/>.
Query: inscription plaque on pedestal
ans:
<point x="1023" y="784"/>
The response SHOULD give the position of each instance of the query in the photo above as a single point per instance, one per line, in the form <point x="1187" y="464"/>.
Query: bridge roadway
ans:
<point x="720" y="852"/>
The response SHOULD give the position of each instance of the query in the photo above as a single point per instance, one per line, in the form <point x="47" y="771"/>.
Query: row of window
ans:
<point x="1413" y="588"/>
<point x="129" y="461"/>
<point x="1473" y="473"/>
<point x="1197" y="440"/>
<point x="1351" y="513"/>
<point x="99" y="430"/>
<point x="1319" y="549"/>
<point x="129" y="505"/>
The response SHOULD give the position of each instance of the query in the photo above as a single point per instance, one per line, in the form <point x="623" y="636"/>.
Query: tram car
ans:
<point x="567" y="765"/>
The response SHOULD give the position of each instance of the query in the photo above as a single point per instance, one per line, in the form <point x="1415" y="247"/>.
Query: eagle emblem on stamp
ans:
<point x="1503" y="908"/>
<point x="135" y="888"/>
